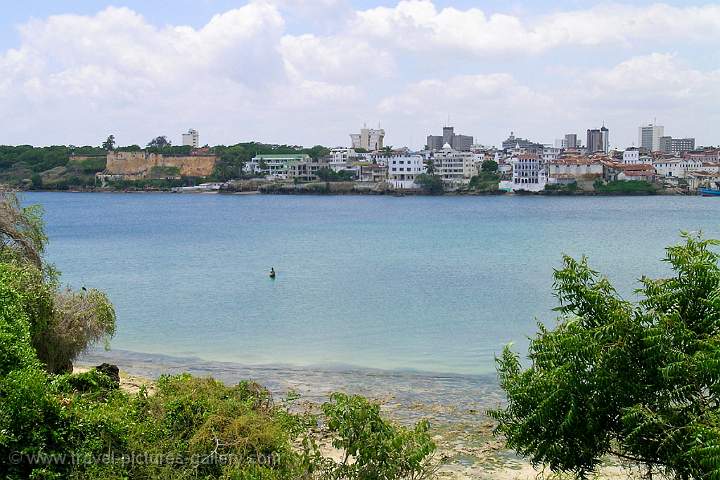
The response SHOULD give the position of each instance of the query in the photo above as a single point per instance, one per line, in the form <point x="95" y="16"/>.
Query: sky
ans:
<point x="311" y="72"/>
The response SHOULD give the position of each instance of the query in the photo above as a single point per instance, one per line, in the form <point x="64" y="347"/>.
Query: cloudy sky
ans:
<point x="312" y="71"/>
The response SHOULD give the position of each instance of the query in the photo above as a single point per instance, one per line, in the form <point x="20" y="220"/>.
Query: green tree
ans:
<point x="109" y="144"/>
<point x="159" y="142"/>
<point x="489" y="166"/>
<point x="430" y="166"/>
<point x="431" y="184"/>
<point x="637" y="380"/>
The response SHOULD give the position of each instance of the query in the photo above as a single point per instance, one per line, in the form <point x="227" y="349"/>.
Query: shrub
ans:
<point x="640" y="381"/>
<point x="378" y="449"/>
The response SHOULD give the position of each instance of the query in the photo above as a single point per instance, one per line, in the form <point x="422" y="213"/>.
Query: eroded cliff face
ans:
<point x="139" y="164"/>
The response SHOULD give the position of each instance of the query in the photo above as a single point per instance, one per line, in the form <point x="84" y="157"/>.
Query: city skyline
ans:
<point x="311" y="72"/>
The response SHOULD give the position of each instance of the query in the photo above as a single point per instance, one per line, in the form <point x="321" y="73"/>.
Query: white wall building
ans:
<point x="529" y="173"/>
<point x="631" y="156"/>
<point x="402" y="170"/>
<point x="455" y="167"/>
<point x="341" y="158"/>
<point x="276" y="165"/>
<point x="191" y="138"/>
<point x="649" y="136"/>
<point x="550" y="153"/>
<point x="369" y="139"/>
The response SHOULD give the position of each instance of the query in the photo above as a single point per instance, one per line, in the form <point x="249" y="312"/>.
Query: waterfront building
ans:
<point x="341" y="157"/>
<point x="576" y="169"/>
<point x="598" y="140"/>
<point x="191" y="138"/>
<point x="402" y="170"/>
<point x="649" y="137"/>
<point x="305" y="169"/>
<point x="462" y="143"/>
<point x="369" y="139"/>
<point x="529" y="173"/>
<point x="274" y="165"/>
<point x="372" y="172"/>
<point x="455" y="167"/>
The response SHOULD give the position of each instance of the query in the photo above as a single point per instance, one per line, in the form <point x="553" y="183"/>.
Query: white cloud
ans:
<point x="418" y="25"/>
<point x="266" y="71"/>
<point x="334" y="58"/>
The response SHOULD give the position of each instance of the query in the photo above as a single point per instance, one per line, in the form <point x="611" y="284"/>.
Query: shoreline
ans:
<point x="407" y="193"/>
<point x="455" y="405"/>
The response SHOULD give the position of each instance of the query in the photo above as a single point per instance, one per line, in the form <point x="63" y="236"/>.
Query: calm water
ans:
<point x="432" y="284"/>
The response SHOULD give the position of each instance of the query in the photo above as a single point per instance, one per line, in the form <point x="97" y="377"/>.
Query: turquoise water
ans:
<point x="420" y="283"/>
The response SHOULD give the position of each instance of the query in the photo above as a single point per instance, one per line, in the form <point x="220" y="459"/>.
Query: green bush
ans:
<point x="625" y="187"/>
<point x="640" y="381"/>
<point x="378" y="449"/>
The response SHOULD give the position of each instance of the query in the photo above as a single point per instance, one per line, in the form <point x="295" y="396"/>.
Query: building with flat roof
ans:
<point x="191" y="138"/>
<point x="369" y="139"/>
<point x="649" y="137"/>
<point x="598" y="140"/>
<point x="462" y="143"/>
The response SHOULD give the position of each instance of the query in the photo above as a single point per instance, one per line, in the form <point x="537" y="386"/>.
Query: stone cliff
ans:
<point x="136" y="165"/>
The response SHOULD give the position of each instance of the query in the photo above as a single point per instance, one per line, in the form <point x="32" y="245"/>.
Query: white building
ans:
<point x="402" y="170"/>
<point x="341" y="158"/>
<point x="276" y="165"/>
<point x="649" y="137"/>
<point x="529" y="173"/>
<point x="455" y="167"/>
<point x="631" y="156"/>
<point x="369" y="139"/>
<point x="191" y="138"/>
<point x="550" y="153"/>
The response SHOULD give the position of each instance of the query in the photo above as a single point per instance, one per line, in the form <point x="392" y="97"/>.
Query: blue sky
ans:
<point x="312" y="71"/>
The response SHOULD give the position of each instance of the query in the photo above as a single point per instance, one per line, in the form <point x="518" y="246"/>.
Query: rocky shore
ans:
<point x="455" y="405"/>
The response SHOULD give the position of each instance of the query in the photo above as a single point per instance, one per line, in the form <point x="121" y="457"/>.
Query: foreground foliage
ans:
<point x="637" y="380"/>
<point x="56" y="425"/>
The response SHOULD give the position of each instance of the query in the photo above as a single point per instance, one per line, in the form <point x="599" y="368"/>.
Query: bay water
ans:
<point x="432" y="284"/>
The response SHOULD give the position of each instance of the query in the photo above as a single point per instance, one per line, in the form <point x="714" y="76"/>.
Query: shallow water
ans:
<point x="415" y="283"/>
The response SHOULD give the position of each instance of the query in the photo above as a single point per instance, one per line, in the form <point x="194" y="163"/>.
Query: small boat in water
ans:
<point x="272" y="273"/>
<point x="709" y="192"/>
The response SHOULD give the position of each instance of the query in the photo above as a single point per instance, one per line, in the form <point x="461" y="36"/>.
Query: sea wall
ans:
<point x="138" y="164"/>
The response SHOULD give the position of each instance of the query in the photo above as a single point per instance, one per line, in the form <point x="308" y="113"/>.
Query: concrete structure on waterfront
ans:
<point x="583" y="171"/>
<point x="191" y="138"/>
<point x="462" y="143"/>
<point x="402" y="171"/>
<point x="369" y="139"/>
<point x="598" y="140"/>
<point x="649" y="137"/>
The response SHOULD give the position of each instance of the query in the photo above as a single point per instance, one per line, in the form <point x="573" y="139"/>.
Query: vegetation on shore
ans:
<point x="56" y="425"/>
<point x="640" y="381"/>
<point x="626" y="187"/>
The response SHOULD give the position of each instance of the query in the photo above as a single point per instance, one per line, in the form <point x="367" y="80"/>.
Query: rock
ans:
<point x="111" y="371"/>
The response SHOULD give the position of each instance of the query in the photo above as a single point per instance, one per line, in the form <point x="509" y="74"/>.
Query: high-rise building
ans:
<point x="461" y="143"/>
<point x="191" y="138"/>
<point x="571" y="140"/>
<point x="668" y="144"/>
<point x="598" y="140"/>
<point x="369" y="139"/>
<point x="649" y="137"/>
